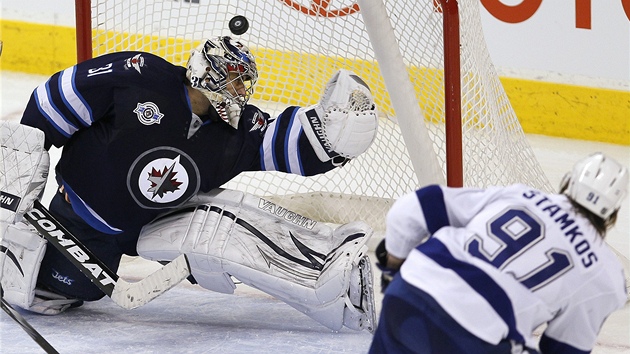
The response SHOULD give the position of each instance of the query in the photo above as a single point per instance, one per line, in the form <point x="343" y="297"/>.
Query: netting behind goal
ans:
<point x="299" y="44"/>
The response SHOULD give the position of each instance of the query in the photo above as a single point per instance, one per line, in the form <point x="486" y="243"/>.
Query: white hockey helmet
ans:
<point x="209" y="65"/>
<point x="598" y="183"/>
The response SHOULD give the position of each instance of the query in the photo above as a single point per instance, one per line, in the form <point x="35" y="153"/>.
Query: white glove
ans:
<point x="344" y="122"/>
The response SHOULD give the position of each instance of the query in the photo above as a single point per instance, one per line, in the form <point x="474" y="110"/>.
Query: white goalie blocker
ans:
<point x="24" y="165"/>
<point x="323" y="272"/>
<point x="344" y="122"/>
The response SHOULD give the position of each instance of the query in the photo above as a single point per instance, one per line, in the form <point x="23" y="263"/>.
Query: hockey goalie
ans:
<point x="146" y="146"/>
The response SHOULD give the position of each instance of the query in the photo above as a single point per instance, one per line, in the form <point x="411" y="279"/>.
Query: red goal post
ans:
<point x="444" y="116"/>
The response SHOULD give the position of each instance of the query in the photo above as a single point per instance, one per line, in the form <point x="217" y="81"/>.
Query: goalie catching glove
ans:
<point x="344" y="122"/>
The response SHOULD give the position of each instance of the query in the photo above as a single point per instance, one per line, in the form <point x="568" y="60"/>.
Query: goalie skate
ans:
<point x="359" y="312"/>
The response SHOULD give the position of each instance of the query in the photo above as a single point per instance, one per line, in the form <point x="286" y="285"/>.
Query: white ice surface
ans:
<point x="188" y="319"/>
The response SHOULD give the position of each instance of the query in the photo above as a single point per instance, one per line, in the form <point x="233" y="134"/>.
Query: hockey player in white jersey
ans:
<point x="483" y="268"/>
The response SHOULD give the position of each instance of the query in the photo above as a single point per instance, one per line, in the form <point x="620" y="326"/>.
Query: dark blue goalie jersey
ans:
<point x="133" y="149"/>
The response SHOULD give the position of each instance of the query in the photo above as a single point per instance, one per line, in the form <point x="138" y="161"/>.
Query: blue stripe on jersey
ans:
<point x="48" y="117"/>
<point x="285" y="145"/>
<point x="271" y="157"/>
<point x="279" y="146"/>
<point x="432" y="202"/>
<point x="262" y="157"/>
<point x="282" y="144"/>
<point x="72" y="99"/>
<point x="478" y="280"/>
<point x="292" y="148"/>
<point x="87" y="214"/>
<point x="52" y="92"/>
<point x="261" y="150"/>
<point x="60" y="84"/>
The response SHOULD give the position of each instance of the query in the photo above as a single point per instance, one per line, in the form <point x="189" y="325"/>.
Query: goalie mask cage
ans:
<point x="444" y="116"/>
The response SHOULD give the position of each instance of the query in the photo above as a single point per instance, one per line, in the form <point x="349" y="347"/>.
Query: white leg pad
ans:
<point x="302" y="262"/>
<point x="166" y="238"/>
<point x="22" y="251"/>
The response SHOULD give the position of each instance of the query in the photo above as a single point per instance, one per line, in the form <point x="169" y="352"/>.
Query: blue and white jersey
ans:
<point x="133" y="149"/>
<point x="504" y="260"/>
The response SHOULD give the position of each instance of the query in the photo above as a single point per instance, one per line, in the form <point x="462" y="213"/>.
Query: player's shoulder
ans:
<point x="254" y="120"/>
<point x="131" y="56"/>
<point x="515" y="191"/>
<point x="142" y="69"/>
<point x="613" y="279"/>
<point x="516" y="188"/>
<point x="133" y="63"/>
<point x="489" y="193"/>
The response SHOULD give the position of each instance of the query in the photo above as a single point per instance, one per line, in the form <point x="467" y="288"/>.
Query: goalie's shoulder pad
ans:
<point x="344" y="122"/>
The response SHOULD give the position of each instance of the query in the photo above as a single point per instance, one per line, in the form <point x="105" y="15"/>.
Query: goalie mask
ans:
<point x="225" y="72"/>
<point x="598" y="183"/>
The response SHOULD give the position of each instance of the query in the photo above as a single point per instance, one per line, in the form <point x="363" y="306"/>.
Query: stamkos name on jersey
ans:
<point x="559" y="216"/>
<point x="286" y="214"/>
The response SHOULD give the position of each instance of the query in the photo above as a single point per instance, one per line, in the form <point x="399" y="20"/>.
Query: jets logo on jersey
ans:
<point x="148" y="113"/>
<point x="163" y="182"/>
<point x="163" y="177"/>
<point x="136" y="62"/>
<point x="258" y="122"/>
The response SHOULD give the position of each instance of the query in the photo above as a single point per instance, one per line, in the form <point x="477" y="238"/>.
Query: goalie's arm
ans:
<point x="286" y="148"/>
<point x="315" y="139"/>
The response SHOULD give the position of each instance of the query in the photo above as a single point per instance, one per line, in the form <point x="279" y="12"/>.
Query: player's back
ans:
<point x="514" y="258"/>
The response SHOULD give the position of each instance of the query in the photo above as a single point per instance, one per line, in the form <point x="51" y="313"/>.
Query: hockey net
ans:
<point x="397" y="46"/>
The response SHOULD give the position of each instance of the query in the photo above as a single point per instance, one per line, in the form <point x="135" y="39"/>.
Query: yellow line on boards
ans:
<point x="551" y="109"/>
